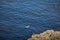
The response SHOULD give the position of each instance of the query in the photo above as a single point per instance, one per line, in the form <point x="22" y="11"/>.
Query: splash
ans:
<point x="27" y="26"/>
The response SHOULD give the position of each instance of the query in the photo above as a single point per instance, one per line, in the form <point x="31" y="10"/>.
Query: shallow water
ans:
<point x="39" y="15"/>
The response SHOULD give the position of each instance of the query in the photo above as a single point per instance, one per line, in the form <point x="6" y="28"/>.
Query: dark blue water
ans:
<point x="39" y="15"/>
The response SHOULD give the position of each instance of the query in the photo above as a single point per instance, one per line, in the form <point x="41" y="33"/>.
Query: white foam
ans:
<point x="27" y="26"/>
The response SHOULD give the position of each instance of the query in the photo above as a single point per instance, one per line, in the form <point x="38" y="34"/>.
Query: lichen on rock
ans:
<point x="47" y="35"/>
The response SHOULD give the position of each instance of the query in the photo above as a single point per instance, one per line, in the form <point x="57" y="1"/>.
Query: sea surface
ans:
<point x="19" y="19"/>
